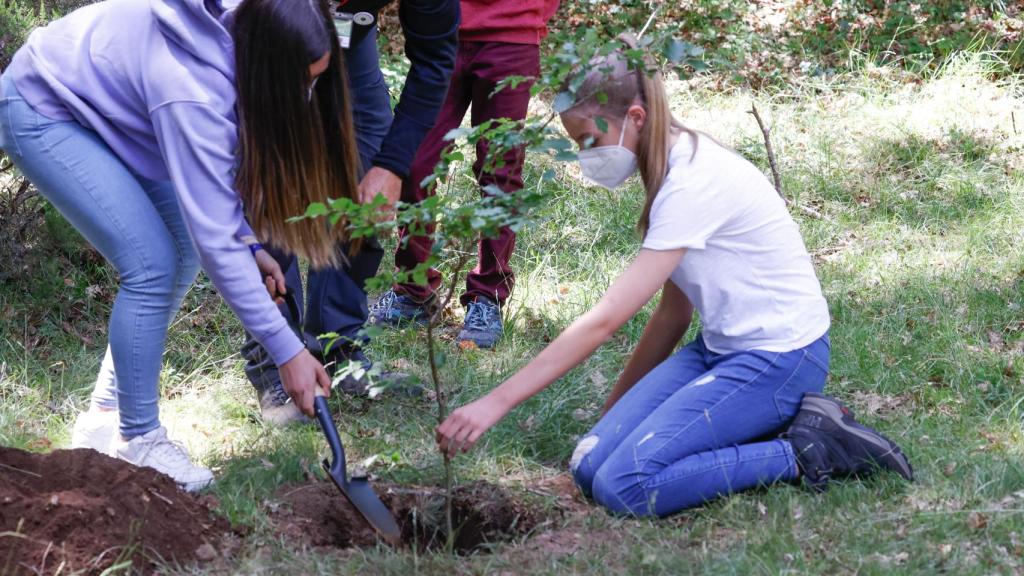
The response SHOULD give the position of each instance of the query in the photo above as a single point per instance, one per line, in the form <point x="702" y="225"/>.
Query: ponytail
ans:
<point x="623" y="87"/>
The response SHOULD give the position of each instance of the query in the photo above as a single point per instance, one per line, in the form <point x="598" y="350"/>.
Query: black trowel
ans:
<point x="356" y="489"/>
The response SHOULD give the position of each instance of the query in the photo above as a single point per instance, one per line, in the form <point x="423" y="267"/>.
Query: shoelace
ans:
<point x="168" y="451"/>
<point x="280" y="397"/>
<point x="481" y="316"/>
<point x="386" y="302"/>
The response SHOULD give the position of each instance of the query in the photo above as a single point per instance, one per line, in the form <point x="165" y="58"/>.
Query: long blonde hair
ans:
<point x="622" y="86"/>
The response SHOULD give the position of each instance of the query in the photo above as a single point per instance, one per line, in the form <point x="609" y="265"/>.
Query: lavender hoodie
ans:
<point x="155" y="80"/>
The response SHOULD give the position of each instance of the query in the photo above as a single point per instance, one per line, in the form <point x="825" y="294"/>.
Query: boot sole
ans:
<point x="832" y="410"/>
<point x="401" y="322"/>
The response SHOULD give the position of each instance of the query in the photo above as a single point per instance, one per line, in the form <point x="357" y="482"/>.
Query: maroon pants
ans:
<point x="479" y="66"/>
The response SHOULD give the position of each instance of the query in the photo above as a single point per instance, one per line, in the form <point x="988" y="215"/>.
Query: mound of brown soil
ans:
<point x="318" y="516"/>
<point x="78" y="510"/>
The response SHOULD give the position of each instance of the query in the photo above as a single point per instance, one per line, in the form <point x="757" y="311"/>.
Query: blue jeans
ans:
<point x="692" y="429"/>
<point x="137" y="226"/>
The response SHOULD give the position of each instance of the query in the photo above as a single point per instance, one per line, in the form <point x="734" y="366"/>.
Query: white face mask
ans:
<point x="608" y="166"/>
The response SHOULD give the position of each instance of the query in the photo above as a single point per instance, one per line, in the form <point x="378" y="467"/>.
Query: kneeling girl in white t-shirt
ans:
<point x="740" y="405"/>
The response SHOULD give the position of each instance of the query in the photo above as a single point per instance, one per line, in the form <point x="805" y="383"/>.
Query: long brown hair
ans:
<point x="294" y="151"/>
<point x="624" y="84"/>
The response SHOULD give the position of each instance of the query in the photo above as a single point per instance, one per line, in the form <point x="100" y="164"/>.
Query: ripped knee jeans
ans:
<point x="699" y="426"/>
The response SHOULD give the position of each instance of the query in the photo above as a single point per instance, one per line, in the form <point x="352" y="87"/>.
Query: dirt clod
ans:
<point x="88" y="511"/>
<point x="318" y="516"/>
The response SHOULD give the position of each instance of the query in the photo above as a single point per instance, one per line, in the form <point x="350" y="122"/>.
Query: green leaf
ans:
<point x="316" y="209"/>
<point x="419" y="277"/>
<point x="456" y="133"/>
<point x="675" y="50"/>
<point x="602" y="124"/>
<point x="563" y="102"/>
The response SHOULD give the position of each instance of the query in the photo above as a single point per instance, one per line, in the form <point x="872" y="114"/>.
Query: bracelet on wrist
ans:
<point x="255" y="247"/>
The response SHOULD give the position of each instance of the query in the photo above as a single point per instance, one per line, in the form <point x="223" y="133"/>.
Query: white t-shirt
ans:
<point x="746" y="269"/>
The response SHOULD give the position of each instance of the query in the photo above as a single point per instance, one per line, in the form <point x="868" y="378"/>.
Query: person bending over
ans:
<point x="170" y="134"/>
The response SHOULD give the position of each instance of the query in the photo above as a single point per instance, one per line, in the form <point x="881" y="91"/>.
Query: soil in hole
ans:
<point x="87" y="511"/>
<point x="319" y="516"/>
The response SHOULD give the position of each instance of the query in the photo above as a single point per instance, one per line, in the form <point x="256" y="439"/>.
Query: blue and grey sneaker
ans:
<point x="483" y="323"/>
<point x="393" y="309"/>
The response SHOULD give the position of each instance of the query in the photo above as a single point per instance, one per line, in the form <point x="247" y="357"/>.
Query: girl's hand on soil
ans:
<point x="464" y="426"/>
<point x="300" y="377"/>
<point x="272" y="275"/>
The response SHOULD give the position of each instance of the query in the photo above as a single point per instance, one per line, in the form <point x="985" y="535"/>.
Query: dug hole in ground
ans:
<point x="81" y="511"/>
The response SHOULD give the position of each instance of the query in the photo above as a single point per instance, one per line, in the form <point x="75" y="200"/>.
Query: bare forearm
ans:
<point x="630" y="291"/>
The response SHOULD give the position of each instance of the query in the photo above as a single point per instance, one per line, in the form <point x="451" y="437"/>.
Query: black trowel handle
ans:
<point x="336" y="467"/>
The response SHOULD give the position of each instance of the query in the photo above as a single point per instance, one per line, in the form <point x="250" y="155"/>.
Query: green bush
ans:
<point x="17" y="20"/>
<point x="765" y="42"/>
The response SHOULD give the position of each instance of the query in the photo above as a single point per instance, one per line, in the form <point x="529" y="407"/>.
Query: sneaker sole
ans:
<point x="195" y="486"/>
<point x="400" y="322"/>
<point x="833" y="410"/>
<point x="481" y="344"/>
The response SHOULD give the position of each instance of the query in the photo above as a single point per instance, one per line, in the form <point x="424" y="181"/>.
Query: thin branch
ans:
<point x="649" y="21"/>
<point x="776" y="176"/>
<point x="13" y="469"/>
<point x="812" y="212"/>
<point x="768" y="147"/>
<point x="439" y="392"/>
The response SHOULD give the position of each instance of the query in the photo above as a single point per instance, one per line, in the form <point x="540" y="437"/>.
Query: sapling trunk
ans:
<point x="441" y="395"/>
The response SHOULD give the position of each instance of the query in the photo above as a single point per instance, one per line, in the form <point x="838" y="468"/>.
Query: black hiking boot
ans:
<point x="829" y="443"/>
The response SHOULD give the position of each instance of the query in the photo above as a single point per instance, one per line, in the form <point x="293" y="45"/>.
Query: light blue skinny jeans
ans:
<point x="137" y="226"/>
<point x="699" y="426"/>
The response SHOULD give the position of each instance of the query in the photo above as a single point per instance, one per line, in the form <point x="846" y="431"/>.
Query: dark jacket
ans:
<point x="431" y="29"/>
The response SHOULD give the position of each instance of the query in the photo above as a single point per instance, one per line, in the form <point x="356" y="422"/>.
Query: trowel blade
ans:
<point x="365" y="500"/>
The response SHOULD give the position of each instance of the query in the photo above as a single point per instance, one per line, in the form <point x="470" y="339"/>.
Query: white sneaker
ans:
<point x="155" y="450"/>
<point x="97" y="430"/>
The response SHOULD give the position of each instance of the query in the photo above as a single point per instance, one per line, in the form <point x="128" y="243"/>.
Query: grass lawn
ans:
<point x="922" y="262"/>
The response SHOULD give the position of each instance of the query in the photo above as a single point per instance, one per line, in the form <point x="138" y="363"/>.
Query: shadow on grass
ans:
<point x="929" y="183"/>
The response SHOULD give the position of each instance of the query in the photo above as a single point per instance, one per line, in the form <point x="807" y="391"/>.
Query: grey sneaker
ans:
<point x="393" y="309"/>
<point x="828" y="442"/>
<point x="483" y="323"/>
